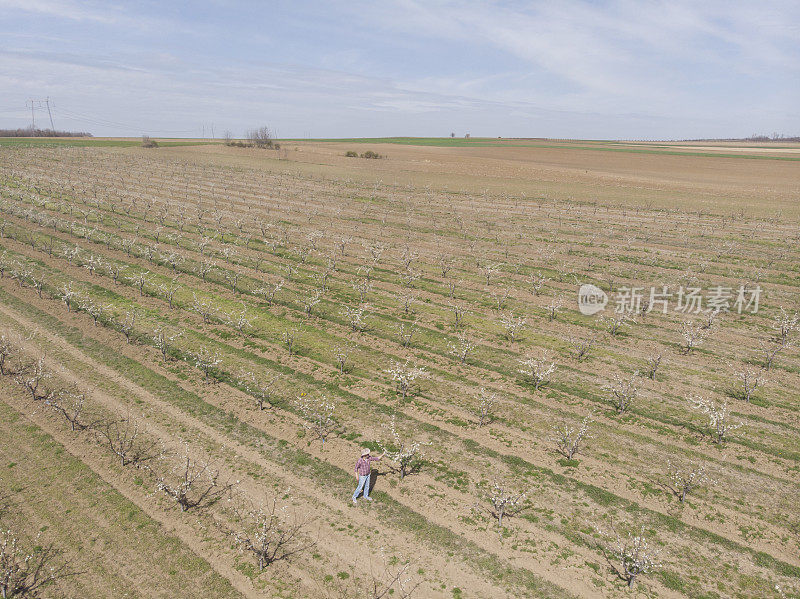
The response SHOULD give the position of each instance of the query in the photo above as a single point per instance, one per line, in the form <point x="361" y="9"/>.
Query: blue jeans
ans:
<point x="363" y="483"/>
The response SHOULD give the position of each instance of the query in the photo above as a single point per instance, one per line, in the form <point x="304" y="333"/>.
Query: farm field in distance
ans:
<point x="198" y="340"/>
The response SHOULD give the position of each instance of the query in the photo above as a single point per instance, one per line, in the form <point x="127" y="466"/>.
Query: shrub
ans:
<point x="270" y="533"/>
<point x="318" y="416"/>
<point x="568" y="440"/>
<point x="147" y="142"/>
<point x="537" y="369"/>
<point x="623" y="391"/>
<point x="505" y="502"/>
<point x="260" y="138"/>
<point x="24" y="572"/>
<point x="485" y="409"/>
<point x="192" y="484"/>
<point x="682" y="481"/>
<point x="404" y="375"/>
<point x="407" y="453"/>
<point x="351" y="154"/>
<point x="630" y="555"/>
<point x="720" y="424"/>
<point x="256" y="138"/>
<point x="370" y="154"/>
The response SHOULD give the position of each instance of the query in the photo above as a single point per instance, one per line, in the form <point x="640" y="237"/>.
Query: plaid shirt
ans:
<point x="363" y="466"/>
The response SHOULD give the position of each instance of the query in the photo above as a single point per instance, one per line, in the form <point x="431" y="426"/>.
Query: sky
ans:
<point x="592" y="69"/>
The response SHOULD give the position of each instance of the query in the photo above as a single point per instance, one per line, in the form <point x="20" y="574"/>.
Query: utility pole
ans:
<point x="33" y="116"/>
<point x="50" y="114"/>
<point x="38" y="104"/>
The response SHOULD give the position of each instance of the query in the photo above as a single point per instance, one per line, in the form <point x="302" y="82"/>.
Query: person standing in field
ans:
<point x="363" y="470"/>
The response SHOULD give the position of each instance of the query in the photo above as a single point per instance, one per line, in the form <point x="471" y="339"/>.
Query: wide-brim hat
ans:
<point x="365" y="451"/>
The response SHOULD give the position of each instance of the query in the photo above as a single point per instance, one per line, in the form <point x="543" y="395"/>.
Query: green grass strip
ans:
<point x="509" y="144"/>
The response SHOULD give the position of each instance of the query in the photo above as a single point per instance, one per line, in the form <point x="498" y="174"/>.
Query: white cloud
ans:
<point x="59" y="9"/>
<point x="621" y="52"/>
<point x="530" y="68"/>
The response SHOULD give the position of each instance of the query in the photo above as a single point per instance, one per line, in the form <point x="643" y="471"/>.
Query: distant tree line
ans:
<point x="31" y="132"/>
<point x="773" y="137"/>
<point x="753" y="137"/>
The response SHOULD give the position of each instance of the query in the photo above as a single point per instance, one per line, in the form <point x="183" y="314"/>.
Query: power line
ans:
<point x="95" y="120"/>
<point x="45" y="104"/>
